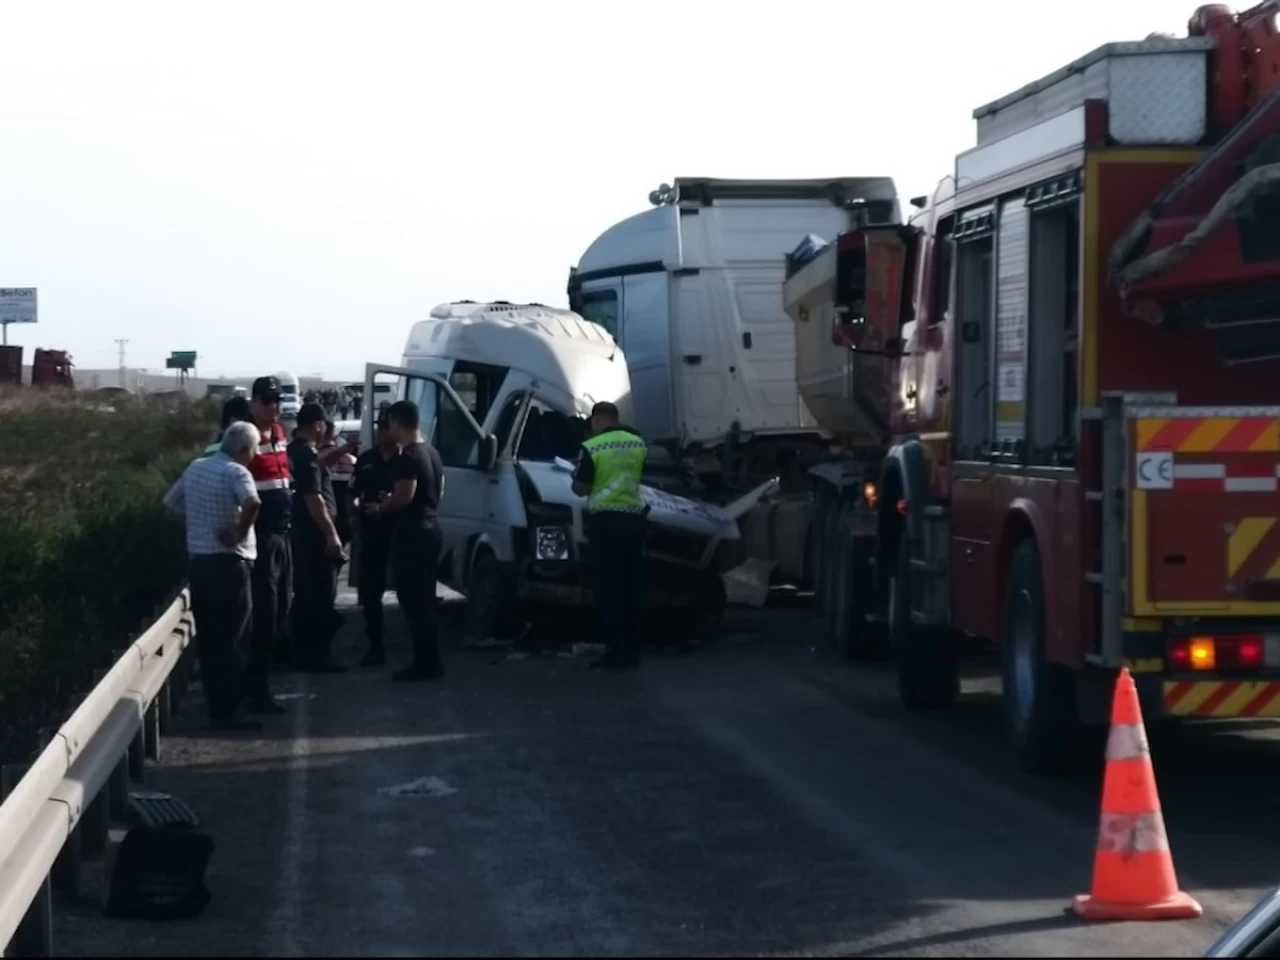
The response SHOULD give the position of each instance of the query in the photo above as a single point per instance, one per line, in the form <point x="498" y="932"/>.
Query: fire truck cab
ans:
<point x="1083" y="418"/>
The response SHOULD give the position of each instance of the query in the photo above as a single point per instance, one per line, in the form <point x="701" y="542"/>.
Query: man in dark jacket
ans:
<point x="317" y="549"/>
<point x="372" y="483"/>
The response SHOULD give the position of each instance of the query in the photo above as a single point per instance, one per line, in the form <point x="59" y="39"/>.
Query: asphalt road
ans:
<point x="756" y="798"/>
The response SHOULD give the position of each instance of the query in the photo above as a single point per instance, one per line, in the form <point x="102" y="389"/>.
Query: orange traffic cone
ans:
<point x="1133" y="876"/>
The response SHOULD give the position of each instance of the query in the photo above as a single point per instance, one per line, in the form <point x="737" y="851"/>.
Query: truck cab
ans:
<point x="691" y="289"/>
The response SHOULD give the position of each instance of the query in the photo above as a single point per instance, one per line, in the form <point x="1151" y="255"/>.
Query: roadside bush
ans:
<point x="87" y="550"/>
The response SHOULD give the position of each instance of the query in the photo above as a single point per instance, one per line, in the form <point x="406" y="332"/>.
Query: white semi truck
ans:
<point x="692" y="290"/>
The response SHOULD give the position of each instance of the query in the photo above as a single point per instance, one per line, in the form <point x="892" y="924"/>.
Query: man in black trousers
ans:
<point x="217" y="499"/>
<point x="317" y="550"/>
<point x="415" y="537"/>
<point x="372" y="483"/>
<point x="273" y="569"/>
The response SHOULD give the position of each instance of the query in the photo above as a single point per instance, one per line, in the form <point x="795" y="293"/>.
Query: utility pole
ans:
<point x="121" y="344"/>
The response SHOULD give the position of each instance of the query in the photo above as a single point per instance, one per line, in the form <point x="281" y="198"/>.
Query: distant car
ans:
<point x="290" y="400"/>
<point x="348" y="431"/>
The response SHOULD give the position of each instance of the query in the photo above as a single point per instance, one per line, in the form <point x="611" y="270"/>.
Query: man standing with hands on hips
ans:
<point x="418" y="476"/>
<point x="273" y="569"/>
<point x="608" y="475"/>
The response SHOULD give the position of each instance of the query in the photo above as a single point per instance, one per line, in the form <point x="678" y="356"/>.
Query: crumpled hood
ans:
<point x="554" y="483"/>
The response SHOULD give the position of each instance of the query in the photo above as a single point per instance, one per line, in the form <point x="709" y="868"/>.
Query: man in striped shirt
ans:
<point x="273" y="570"/>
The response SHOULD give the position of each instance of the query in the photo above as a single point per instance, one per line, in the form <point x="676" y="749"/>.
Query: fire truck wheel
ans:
<point x="492" y="612"/>
<point x="928" y="672"/>
<point x="854" y="638"/>
<point x="1039" y="696"/>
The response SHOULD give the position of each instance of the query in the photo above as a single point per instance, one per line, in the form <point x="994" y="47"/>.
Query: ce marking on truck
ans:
<point x="1154" y="471"/>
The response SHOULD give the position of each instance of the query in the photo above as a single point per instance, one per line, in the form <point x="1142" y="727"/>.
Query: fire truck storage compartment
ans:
<point x="1156" y="93"/>
<point x="1204" y="510"/>
<point x="844" y="303"/>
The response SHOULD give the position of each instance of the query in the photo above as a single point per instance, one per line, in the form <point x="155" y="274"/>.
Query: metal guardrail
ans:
<point x="56" y="811"/>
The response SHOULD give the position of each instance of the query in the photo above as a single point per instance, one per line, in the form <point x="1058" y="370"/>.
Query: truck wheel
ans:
<point x="1039" y="696"/>
<point x="854" y="638"/>
<point x="492" y="611"/>
<point x="928" y="673"/>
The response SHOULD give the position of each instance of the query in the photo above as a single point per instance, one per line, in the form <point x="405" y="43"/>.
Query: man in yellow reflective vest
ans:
<point x="608" y="475"/>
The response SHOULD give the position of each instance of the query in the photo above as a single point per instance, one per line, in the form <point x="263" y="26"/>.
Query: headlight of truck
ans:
<point x="551" y="543"/>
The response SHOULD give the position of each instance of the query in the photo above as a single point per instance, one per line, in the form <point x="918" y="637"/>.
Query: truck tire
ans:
<point x="854" y="638"/>
<point x="492" y="611"/>
<point x="928" y="671"/>
<point x="1039" y="697"/>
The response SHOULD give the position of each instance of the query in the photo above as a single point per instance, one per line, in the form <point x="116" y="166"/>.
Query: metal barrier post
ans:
<point x="118" y="791"/>
<point x="137" y="756"/>
<point x="151" y="731"/>
<point x="34" y="936"/>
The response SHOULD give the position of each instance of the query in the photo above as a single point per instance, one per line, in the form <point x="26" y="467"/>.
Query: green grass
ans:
<point x="87" y="550"/>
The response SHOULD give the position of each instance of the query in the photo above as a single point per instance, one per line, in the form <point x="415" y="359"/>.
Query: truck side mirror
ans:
<point x="488" y="452"/>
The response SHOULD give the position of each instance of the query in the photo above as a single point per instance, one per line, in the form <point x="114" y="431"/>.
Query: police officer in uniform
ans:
<point x="608" y="475"/>
<point x="317" y="549"/>
<point x="371" y="483"/>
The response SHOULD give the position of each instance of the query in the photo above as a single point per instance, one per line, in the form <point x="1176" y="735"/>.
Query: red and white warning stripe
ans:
<point x="1243" y="477"/>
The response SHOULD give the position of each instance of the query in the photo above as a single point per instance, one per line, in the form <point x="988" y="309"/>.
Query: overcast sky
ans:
<point x="290" y="185"/>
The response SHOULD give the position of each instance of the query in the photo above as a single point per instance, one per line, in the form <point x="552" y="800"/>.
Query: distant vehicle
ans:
<point x="52" y="368"/>
<point x="289" y="395"/>
<point x="384" y="394"/>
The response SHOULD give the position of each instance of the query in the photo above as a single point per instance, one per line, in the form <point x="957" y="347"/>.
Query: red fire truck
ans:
<point x="1058" y="391"/>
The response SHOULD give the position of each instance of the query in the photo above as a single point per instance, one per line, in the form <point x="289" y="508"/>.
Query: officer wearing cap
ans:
<point x="317" y="548"/>
<point x="608" y="475"/>
<point x="273" y="569"/>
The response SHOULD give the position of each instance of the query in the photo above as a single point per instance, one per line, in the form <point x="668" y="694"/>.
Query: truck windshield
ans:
<point x="548" y="434"/>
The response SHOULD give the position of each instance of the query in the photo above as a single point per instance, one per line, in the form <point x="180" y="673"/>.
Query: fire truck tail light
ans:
<point x="1194" y="653"/>
<point x="1203" y="654"/>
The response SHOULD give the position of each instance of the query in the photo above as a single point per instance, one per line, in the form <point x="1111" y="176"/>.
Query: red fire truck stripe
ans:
<point x="1247" y="466"/>
<point x="1200" y="485"/>
<point x="1245" y="432"/>
<point x="1177" y="691"/>
<point x="1173" y="433"/>
<point x="1254" y="706"/>
<point x="1215" y="699"/>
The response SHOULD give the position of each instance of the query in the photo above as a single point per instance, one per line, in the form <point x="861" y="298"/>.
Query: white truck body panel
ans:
<point x="693" y="291"/>
<point x="1156" y="92"/>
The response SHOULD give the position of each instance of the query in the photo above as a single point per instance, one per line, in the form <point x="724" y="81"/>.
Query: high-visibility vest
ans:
<point x="618" y="458"/>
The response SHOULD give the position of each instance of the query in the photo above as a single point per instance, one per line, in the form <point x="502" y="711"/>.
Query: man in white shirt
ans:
<point x="219" y="501"/>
